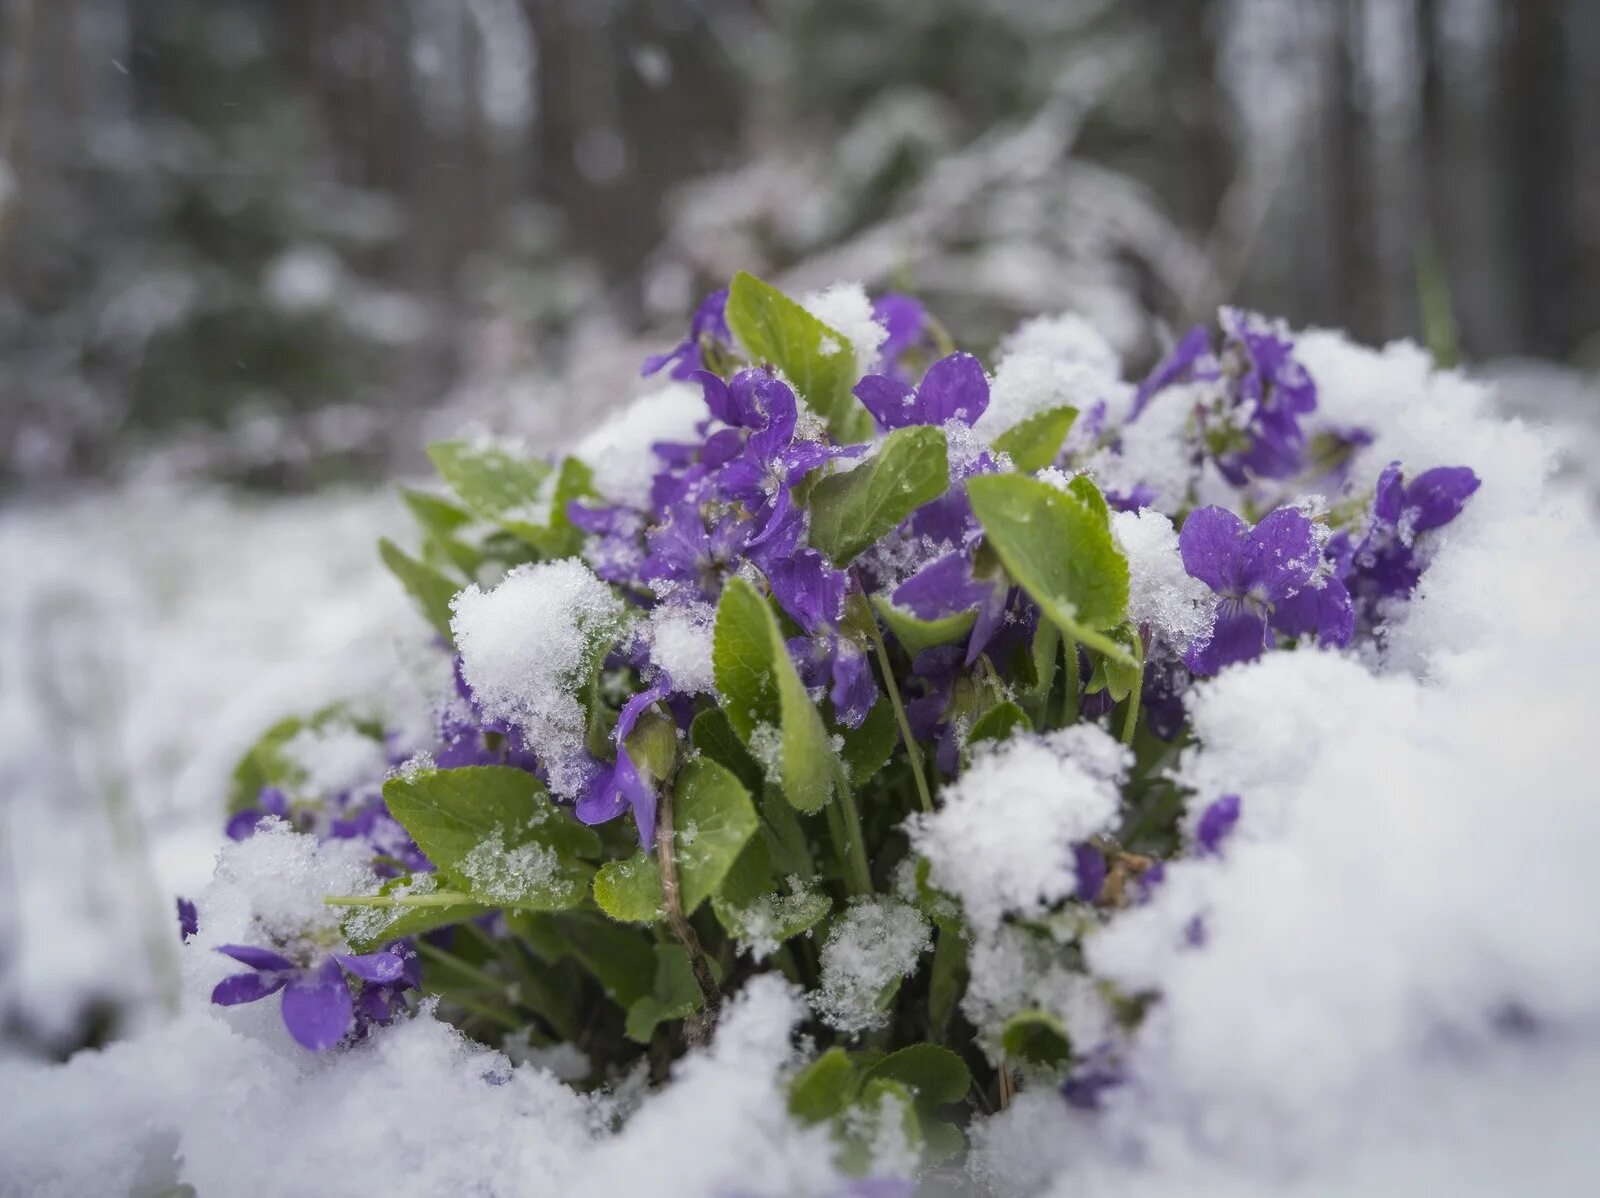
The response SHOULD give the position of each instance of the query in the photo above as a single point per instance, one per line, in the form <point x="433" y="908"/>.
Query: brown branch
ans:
<point x="697" y="1028"/>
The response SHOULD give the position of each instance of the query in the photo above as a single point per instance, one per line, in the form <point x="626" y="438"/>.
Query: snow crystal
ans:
<point x="1161" y="592"/>
<point x="846" y="308"/>
<point x="620" y="451"/>
<point x="523" y="645"/>
<point x="1025" y="803"/>
<point x="270" y="887"/>
<point x="1044" y="365"/>
<point x="1066" y="338"/>
<point x="875" y="945"/>
<point x="679" y="639"/>
<point x="1015" y="969"/>
<point x="756" y="925"/>
<point x="505" y="874"/>
<point x="1156" y="449"/>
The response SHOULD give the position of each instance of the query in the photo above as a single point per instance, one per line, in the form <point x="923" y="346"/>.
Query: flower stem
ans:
<point x="445" y="899"/>
<point x="1072" y="696"/>
<point x="1130" y="722"/>
<point x="697" y="1028"/>
<point x="855" y="845"/>
<point x="913" y="749"/>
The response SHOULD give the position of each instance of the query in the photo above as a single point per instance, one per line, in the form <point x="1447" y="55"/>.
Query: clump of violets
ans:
<point x="842" y="590"/>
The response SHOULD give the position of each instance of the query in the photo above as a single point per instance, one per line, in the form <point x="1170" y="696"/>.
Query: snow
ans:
<point x="1015" y="969"/>
<point x="679" y="639"/>
<point x="1161" y="593"/>
<point x="620" y="451"/>
<point x="1024" y="802"/>
<point x="1397" y="989"/>
<point x="876" y="944"/>
<point x="522" y="646"/>
<point x="336" y="758"/>
<point x="846" y="309"/>
<point x="1156" y="450"/>
<point x="505" y="874"/>
<point x="149" y="636"/>
<point x="416" y="1104"/>
<point x="1048" y="362"/>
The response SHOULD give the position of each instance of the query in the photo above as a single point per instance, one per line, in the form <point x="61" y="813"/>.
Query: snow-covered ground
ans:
<point x="147" y="636"/>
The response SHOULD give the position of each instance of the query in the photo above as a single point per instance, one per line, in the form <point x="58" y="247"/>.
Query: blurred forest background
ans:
<point x="282" y="236"/>
<point x="255" y="253"/>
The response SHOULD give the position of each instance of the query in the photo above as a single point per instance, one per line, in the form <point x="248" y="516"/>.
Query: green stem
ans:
<point x="913" y="750"/>
<point x="855" y="845"/>
<point x="1130" y="722"/>
<point x="1072" y="695"/>
<point x="397" y="900"/>
<point x="450" y="961"/>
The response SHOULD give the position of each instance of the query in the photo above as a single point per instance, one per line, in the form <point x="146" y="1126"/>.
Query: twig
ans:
<point x="697" y="1028"/>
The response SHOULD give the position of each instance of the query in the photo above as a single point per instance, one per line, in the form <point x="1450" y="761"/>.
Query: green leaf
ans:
<point x="1045" y="654"/>
<point x="714" y="819"/>
<point x="1058" y="548"/>
<point x="998" y="723"/>
<point x="762" y="695"/>
<point x="1118" y="677"/>
<point x="852" y="509"/>
<point x="437" y="515"/>
<point x="630" y="890"/>
<point x="514" y="492"/>
<point x="370" y="928"/>
<point x="823" y="1088"/>
<point x="741" y="658"/>
<point x="673" y="996"/>
<point x="493" y="832"/>
<point x="266" y="763"/>
<point x="947" y="978"/>
<point x="916" y="634"/>
<point x="934" y="1074"/>
<point x="1034" y="443"/>
<point x="431" y="589"/>
<point x="622" y="959"/>
<point x="935" y="1077"/>
<point x="1036" y="1038"/>
<point x="751" y="910"/>
<point x="1083" y="487"/>
<point x="867" y="749"/>
<point x="524" y="496"/>
<point x="818" y="360"/>
<point x="886" y="1112"/>
<point x="714" y="736"/>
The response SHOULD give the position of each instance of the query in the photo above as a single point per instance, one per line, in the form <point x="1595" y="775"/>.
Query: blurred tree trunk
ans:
<point x="1354" y="230"/>
<point x="1538" y="131"/>
<point x="1194" y="116"/>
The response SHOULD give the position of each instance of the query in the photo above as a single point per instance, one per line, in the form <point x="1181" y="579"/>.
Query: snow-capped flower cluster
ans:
<point x="947" y="717"/>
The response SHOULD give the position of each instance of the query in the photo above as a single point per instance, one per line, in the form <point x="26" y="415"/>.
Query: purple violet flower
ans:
<point x="771" y="460"/>
<point x="907" y="323"/>
<point x="1385" y="564"/>
<point x="318" y="1007"/>
<point x="270" y="800"/>
<point x="947" y="586"/>
<point x="618" y="787"/>
<point x="709" y="324"/>
<point x="1216" y="823"/>
<point x="1254" y="572"/>
<point x="188" y="918"/>
<point x="1091" y="869"/>
<point x="1257" y="433"/>
<point x="954" y="388"/>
